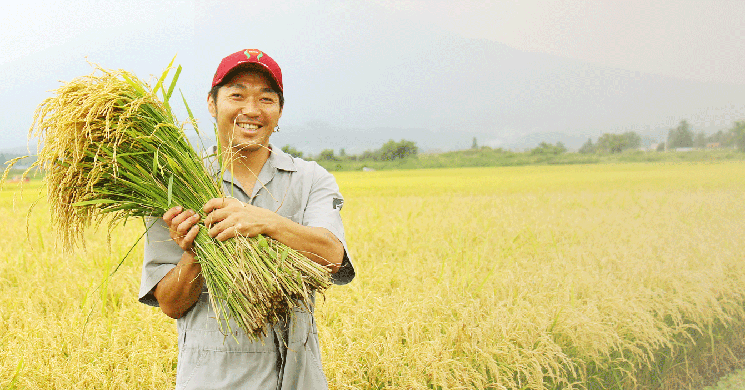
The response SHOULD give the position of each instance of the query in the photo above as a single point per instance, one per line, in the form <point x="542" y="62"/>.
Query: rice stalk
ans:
<point x="111" y="148"/>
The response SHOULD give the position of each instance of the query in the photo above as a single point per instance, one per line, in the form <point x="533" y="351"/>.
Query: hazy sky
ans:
<point x="700" y="40"/>
<point x="46" y="41"/>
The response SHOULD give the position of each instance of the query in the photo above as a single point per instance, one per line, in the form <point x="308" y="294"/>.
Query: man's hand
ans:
<point x="229" y="217"/>
<point x="182" y="225"/>
<point x="180" y="289"/>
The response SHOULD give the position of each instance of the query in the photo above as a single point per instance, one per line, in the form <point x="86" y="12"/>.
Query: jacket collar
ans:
<point x="278" y="160"/>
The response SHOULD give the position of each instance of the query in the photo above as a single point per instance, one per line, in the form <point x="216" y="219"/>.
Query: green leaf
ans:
<point x="170" y="189"/>
<point x="262" y="241"/>
<point x="191" y="116"/>
<point x="137" y="87"/>
<point x="94" y="201"/>
<point x="173" y="82"/>
<point x="155" y="163"/>
<point x="16" y="374"/>
<point x="163" y="77"/>
<point x="165" y="101"/>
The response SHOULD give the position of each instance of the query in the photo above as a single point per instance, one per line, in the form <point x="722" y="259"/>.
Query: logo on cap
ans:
<point x="258" y="53"/>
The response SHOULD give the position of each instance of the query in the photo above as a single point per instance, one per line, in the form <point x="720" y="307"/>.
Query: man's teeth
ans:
<point x="248" y="126"/>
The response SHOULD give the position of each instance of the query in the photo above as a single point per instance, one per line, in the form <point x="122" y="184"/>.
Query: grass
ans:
<point x="733" y="381"/>
<point x="537" y="277"/>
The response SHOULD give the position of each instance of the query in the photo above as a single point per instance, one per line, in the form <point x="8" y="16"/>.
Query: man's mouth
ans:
<point x="248" y="126"/>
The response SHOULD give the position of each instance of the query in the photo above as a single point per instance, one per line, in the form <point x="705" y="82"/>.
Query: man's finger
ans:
<point x="216" y="203"/>
<point x="172" y="212"/>
<point x="219" y="227"/>
<point x="217" y="216"/>
<point x="187" y="224"/>
<point x="228" y="233"/>
<point x="188" y="241"/>
<point x="181" y="217"/>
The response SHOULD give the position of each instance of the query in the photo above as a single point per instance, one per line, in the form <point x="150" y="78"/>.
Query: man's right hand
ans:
<point x="180" y="289"/>
<point x="182" y="226"/>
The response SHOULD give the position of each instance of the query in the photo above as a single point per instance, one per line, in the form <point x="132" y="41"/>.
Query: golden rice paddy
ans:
<point x="551" y="277"/>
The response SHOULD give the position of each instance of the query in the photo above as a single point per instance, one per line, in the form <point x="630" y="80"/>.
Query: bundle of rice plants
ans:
<point x="111" y="149"/>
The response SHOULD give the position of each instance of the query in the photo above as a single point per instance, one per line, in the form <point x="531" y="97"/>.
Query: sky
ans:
<point x="355" y="66"/>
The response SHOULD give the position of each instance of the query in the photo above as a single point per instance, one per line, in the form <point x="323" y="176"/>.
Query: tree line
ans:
<point x="681" y="136"/>
<point x="390" y="151"/>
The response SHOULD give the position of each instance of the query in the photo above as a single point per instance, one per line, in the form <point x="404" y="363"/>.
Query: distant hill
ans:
<point x="440" y="91"/>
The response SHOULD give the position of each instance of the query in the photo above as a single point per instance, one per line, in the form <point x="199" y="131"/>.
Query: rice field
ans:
<point x="618" y="276"/>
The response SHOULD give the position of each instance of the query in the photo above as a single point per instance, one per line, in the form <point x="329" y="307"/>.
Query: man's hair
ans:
<point x="249" y="68"/>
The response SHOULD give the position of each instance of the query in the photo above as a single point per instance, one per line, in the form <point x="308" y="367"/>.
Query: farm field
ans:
<point x="614" y="276"/>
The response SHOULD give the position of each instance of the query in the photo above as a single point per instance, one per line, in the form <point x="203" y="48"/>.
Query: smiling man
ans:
<point x="291" y="200"/>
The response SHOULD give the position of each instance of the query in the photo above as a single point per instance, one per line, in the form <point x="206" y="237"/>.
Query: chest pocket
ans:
<point x="281" y="197"/>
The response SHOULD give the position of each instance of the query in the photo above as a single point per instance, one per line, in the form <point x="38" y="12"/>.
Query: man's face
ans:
<point x="246" y="112"/>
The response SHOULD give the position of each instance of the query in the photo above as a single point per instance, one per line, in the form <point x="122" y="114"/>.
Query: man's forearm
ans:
<point x="317" y="244"/>
<point x="180" y="289"/>
<point x="229" y="217"/>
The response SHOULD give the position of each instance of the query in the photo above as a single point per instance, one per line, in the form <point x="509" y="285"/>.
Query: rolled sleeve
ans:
<point x="324" y="210"/>
<point x="161" y="255"/>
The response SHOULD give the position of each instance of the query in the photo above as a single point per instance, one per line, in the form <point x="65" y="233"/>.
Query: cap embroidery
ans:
<point x="258" y="53"/>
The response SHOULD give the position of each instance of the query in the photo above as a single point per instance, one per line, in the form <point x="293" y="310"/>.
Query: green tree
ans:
<point x="393" y="150"/>
<point x="327" y="155"/>
<point x="617" y="143"/>
<point x="631" y="140"/>
<point x="699" y="141"/>
<point x="292" y="151"/>
<point x="546" y="148"/>
<point x="738" y="134"/>
<point x="724" y="139"/>
<point x="369" y="155"/>
<point x="680" y="137"/>
<point x="588" y="147"/>
<point x="611" y="143"/>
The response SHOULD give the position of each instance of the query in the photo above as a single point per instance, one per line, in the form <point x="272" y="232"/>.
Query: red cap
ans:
<point x="245" y="57"/>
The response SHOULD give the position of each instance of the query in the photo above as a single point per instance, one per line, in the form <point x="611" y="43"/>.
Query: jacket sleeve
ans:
<point x="323" y="209"/>
<point x="161" y="255"/>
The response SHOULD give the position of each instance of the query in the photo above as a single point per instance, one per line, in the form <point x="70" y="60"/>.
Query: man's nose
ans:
<point x="250" y="108"/>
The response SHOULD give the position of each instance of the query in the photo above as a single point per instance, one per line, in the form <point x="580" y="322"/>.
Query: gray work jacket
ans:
<point x="289" y="356"/>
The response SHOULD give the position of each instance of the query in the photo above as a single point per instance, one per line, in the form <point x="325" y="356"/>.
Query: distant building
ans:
<point x="367" y="169"/>
<point x="713" y="145"/>
<point x="18" y="179"/>
<point x="684" y="149"/>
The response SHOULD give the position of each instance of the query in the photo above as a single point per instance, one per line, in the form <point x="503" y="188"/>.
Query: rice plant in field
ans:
<point x="591" y="277"/>
<point x="586" y="277"/>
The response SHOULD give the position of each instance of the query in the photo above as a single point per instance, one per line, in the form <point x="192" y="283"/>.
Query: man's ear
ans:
<point x="211" y="107"/>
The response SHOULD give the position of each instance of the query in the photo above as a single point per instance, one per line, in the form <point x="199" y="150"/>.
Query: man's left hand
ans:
<point x="229" y="217"/>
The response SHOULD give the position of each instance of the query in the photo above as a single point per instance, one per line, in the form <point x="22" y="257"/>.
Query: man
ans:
<point x="271" y="193"/>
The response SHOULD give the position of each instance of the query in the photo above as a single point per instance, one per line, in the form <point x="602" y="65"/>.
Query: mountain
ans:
<point x="441" y="91"/>
<point x="389" y="79"/>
